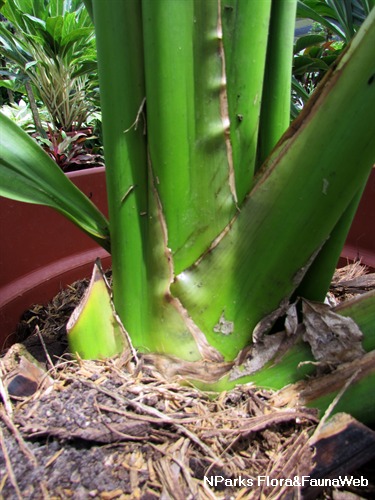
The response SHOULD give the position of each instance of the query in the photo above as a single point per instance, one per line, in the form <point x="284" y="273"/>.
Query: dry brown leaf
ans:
<point x="334" y="339"/>
<point x="257" y="355"/>
<point x="266" y="347"/>
<point x="291" y="320"/>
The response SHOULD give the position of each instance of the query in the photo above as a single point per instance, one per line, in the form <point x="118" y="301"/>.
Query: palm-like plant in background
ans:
<point x="53" y="45"/>
<point x="208" y="246"/>
<point x="314" y="53"/>
<point x="341" y="18"/>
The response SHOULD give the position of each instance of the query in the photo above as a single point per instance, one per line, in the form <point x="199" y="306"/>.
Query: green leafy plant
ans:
<point x="20" y="113"/>
<point x="70" y="151"/>
<point x="313" y="56"/>
<point x="53" y="45"/>
<point x="335" y="24"/>
<point x="342" y="19"/>
<point x="217" y="221"/>
<point x="315" y="60"/>
<point x="10" y="84"/>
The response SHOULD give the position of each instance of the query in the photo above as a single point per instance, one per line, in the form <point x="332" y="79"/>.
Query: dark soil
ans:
<point x="76" y="429"/>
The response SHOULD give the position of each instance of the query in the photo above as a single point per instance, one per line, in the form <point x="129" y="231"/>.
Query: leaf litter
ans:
<point x="334" y="339"/>
<point x="92" y="430"/>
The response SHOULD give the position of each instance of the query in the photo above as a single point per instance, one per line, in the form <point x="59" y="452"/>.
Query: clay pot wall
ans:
<point x="41" y="251"/>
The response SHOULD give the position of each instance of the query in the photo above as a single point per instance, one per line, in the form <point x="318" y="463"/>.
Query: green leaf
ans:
<point x="54" y="26"/>
<point x="8" y="84"/>
<point x="328" y="60"/>
<point x="35" y="23"/>
<point x="321" y="7"/>
<point x="304" y="11"/>
<point x="315" y="52"/>
<point x="75" y="36"/>
<point x="28" y="174"/>
<point x="11" y="47"/>
<point x="55" y="7"/>
<point x="305" y="64"/>
<point x="299" y="89"/>
<point x="30" y="65"/>
<point x="307" y="41"/>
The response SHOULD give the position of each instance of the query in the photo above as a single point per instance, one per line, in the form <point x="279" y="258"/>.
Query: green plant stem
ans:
<point x="355" y="400"/>
<point x="275" y="112"/>
<point x="90" y="8"/>
<point x="304" y="217"/>
<point x="120" y="55"/>
<point x="316" y="282"/>
<point x="186" y="130"/>
<point x="34" y="109"/>
<point x="245" y="45"/>
<point x="362" y="311"/>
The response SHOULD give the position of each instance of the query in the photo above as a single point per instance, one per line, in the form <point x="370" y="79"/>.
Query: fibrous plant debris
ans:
<point x="92" y="430"/>
<point x="349" y="281"/>
<point x="98" y="431"/>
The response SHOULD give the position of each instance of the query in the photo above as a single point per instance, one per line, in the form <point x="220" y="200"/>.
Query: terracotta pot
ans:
<point x="360" y="243"/>
<point x="41" y="251"/>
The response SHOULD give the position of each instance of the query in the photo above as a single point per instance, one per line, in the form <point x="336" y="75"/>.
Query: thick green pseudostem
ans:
<point x="120" y="54"/>
<point x="275" y="110"/>
<point x="245" y="35"/>
<point x="285" y="221"/>
<point x="182" y="139"/>
<point x="140" y="260"/>
<point x="260" y="258"/>
<point x="186" y="128"/>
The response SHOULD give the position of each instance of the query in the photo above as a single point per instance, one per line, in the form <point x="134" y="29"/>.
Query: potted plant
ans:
<point x="71" y="151"/>
<point x="48" y="49"/>
<point x="212" y="228"/>
<point x="34" y="268"/>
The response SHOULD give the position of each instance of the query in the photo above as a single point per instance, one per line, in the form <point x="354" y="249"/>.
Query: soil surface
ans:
<point x="115" y="429"/>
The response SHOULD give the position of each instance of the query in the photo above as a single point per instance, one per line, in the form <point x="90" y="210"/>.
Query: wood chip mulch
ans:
<point x="114" y="435"/>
